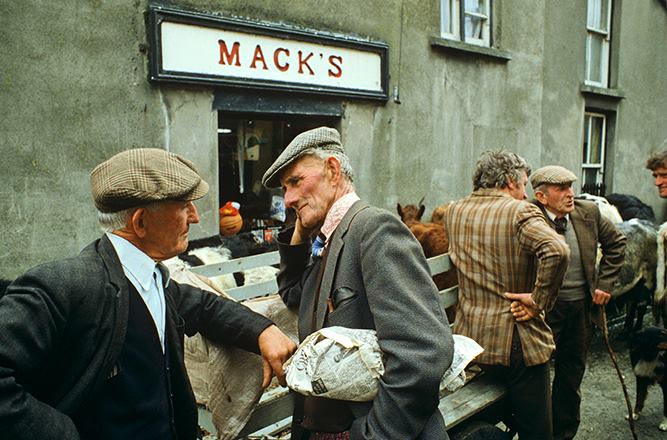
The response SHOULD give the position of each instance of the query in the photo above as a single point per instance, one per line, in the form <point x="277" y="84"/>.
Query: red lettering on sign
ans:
<point x="258" y="56"/>
<point x="336" y="63"/>
<point x="304" y="62"/>
<point x="276" y="53"/>
<point x="230" y="58"/>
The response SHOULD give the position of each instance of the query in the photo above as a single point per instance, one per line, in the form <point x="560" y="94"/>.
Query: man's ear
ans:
<point x="332" y="167"/>
<point x="136" y="222"/>
<point x="541" y="197"/>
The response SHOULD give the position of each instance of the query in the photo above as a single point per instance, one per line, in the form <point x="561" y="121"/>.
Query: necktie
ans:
<point x="318" y="246"/>
<point x="561" y="225"/>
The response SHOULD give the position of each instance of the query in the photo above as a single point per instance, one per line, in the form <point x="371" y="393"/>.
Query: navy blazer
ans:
<point x="62" y="327"/>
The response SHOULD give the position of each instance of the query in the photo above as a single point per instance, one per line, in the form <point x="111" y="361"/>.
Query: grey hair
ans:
<point x="345" y="166"/>
<point x="112" y="221"/>
<point x="496" y="169"/>
<point x="658" y="160"/>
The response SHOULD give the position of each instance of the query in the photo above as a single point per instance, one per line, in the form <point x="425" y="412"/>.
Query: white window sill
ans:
<point x="471" y="49"/>
<point x="604" y="92"/>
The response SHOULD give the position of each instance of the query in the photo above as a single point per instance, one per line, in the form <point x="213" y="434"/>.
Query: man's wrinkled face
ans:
<point x="518" y="189"/>
<point x="559" y="199"/>
<point x="660" y="176"/>
<point x="309" y="190"/>
<point x="167" y="225"/>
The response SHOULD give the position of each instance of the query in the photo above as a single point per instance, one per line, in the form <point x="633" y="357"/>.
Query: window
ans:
<point x="473" y="26"/>
<point x="595" y="140"/>
<point x="597" y="42"/>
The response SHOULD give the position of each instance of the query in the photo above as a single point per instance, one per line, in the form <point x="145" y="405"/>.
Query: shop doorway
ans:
<point x="247" y="145"/>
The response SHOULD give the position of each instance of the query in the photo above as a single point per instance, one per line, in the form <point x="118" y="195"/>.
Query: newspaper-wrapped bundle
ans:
<point x="337" y="363"/>
<point x="346" y="364"/>
<point x="465" y="350"/>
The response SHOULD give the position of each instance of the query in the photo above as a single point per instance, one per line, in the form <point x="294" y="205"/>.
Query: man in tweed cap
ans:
<point x="91" y="347"/>
<point x="363" y="270"/>
<point x="585" y="289"/>
<point x="510" y="265"/>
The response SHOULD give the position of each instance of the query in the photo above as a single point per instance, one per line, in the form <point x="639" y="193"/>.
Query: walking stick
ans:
<point x="612" y="355"/>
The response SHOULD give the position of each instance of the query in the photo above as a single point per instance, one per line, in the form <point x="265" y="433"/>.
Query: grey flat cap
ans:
<point x="552" y="175"/>
<point x="321" y="138"/>
<point x="144" y="175"/>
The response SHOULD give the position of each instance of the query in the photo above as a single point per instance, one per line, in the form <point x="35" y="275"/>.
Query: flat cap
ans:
<point x="552" y="175"/>
<point x="321" y="138"/>
<point x="144" y="175"/>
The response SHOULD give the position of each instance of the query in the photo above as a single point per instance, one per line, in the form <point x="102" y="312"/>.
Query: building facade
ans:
<point x="418" y="90"/>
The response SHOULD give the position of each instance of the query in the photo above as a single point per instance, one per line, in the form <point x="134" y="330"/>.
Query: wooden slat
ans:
<point x="449" y="297"/>
<point x="253" y="290"/>
<point x="269" y="412"/>
<point x="469" y="400"/>
<point x="237" y="264"/>
<point x="439" y="264"/>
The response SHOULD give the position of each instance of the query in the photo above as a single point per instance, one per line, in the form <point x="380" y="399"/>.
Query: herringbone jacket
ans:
<point x="500" y="244"/>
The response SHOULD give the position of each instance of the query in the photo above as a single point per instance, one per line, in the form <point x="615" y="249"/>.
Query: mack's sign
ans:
<point x="194" y="48"/>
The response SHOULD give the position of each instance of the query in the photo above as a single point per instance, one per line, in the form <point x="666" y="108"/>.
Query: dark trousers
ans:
<point x="570" y="322"/>
<point x="529" y="396"/>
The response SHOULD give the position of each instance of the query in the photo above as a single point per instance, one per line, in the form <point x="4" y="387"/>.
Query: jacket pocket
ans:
<point x="347" y="309"/>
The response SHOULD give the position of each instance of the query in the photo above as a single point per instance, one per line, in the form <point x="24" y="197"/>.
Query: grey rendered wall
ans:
<point x="73" y="93"/>
<point x="639" y="34"/>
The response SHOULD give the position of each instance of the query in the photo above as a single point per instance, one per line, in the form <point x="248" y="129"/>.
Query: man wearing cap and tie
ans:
<point x="506" y="256"/>
<point x="364" y="270"/>
<point x="584" y="289"/>
<point x="91" y="347"/>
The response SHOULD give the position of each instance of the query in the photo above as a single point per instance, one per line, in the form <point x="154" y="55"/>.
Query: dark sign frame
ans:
<point x="158" y="14"/>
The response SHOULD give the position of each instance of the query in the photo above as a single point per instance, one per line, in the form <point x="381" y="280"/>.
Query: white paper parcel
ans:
<point x="346" y="364"/>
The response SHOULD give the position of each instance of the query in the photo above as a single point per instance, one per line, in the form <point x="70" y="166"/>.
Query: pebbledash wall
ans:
<point x="75" y="89"/>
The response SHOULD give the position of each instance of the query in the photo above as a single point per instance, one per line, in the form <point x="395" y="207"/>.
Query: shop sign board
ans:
<point x="196" y="48"/>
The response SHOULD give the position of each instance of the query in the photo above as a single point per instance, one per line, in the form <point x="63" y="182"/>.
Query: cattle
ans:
<point x="433" y="240"/>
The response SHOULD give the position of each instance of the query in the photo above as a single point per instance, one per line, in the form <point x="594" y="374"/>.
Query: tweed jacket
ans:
<point x="498" y="245"/>
<point x="377" y="277"/>
<point x="592" y="228"/>
<point x="62" y="328"/>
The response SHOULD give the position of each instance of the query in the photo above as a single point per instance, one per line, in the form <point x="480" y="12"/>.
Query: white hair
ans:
<point x="112" y="221"/>
<point x="345" y="166"/>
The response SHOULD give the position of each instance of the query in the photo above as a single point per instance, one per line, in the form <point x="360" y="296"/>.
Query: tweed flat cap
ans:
<point x="144" y="175"/>
<point x="552" y="175"/>
<point x="321" y="138"/>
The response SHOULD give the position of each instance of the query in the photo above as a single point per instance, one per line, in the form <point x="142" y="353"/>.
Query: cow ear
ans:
<point x="399" y="209"/>
<point x="421" y="212"/>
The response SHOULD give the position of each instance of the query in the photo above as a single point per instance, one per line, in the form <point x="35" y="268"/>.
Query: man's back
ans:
<point x="494" y="242"/>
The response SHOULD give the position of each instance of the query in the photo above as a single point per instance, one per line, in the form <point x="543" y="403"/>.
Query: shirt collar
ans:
<point x="337" y="212"/>
<point x="552" y="216"/>
<point x="134" y="261"/>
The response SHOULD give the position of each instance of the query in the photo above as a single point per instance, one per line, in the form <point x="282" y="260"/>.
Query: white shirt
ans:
<point x="143" y="273"/>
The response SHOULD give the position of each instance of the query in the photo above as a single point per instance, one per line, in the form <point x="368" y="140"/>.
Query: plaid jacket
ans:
<point x="499" y="245"/>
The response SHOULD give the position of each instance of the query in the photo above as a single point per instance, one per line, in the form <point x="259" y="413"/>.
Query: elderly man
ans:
<point x="91" y="347"/>
<point x="364" y="270"/>
<point x="657" y="163"/>
<point x="510" y="265"/>
<point x="584" y="287"/>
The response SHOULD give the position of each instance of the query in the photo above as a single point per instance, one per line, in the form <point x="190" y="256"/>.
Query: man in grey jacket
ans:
<point x="364" y="270"/>
<point x="91" y="347"/>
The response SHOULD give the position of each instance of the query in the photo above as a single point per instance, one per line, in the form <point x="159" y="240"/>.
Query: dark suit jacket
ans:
<point x="592" y="228"/>
<point x="62" y="327"/>
<point x="378" y="278"/>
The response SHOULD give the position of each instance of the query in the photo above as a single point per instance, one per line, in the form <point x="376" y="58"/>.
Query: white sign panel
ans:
<point x="228" y="53"/>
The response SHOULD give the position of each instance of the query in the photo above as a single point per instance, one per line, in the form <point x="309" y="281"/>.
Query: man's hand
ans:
<point x="301" y="233"/>
<point x="523" y="307"/>
<point x="275" y="348"/>
<point x="600" y="297"/>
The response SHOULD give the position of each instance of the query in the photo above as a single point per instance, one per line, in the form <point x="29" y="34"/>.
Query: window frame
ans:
<point x="603" y="33"/>
<point x="586" y="164"/>
<point x="455" y="29"/>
